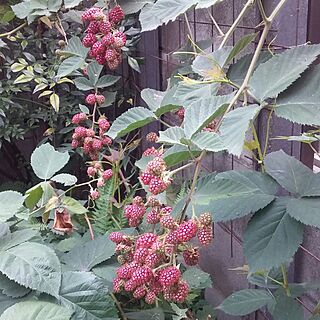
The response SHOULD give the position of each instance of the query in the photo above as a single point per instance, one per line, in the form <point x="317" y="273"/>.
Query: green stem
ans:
<point x="267" y="134"/>
<point x="9" y="33"/>
<point x="256" y="139"/>
<point x="122" y="314"/>
<point x="285" y="280"/>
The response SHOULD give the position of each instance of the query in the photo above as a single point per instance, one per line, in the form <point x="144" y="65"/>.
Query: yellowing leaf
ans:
<point x="45" y="93"/>
<point x="46" y="21"/>
<point x="55" y="101"/>
<point x="63" y="80"/>
<point x="16" y="67"/>
<point x="23" y="79"/>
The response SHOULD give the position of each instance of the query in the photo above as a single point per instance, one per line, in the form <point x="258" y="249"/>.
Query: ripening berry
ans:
<point x="153" y="217"/>
<point x="138" y="201"/>
<point x="205" y="235"/>
<point x="81" y="132"/>
<point x="88" y="15"/>
<point x="152" y="152"/>
<point x="104" y="124"/>
<point x="166" y="210"/>
<point x="140" y="292"/>
<point x="116" y="15"/>
<point x="97" y="144"/>
<point x="153" y="201"/>
<point x="110" y="55"/>
<point x="100" y="183"/>
<point x="180" y="113"/>
<point x="205" y="219"/>
<point x="105" y="27"/>
<point x="150" y="297"/>
<point x="107" y="174"/>
<point x="146" y="177"/>
<point x="168" y="222"/>
<point x="117" y="285"/>
<point x="114" y="64"/>
<point x="142" y="275"/>
<point x="97" y="48"/>
<point x="191" y="256"/>
<point x="171" y="237"/>
<point x="108" y="39"/>
<point x="99" y="15"/>
<point x="91" y="99"/>
<point x="106" y="141"/>
<point x="79" y="117"/>
<point x="156" y="166"/>
<point x="116" y="237"/>
<point x="153" y="259"/>
<point x="89" y="40"/>
<point x="146" y="240"/>
<point x="94" y="194"/>
<point x="152" y="137"/>
<point x="91" y="171"/>
<point x="186" y="231"/>
<point x="100" y="99"/>
<point x="140" y="255"/>
<point x="180" y="293"/>
<point x="169" y="276"/>
<point x="93" y="27"/>
<point x="101" y="59"/>
<point x="130" y="285"/>
<point x="157" y="185"/>
<point x="75" y="144"/>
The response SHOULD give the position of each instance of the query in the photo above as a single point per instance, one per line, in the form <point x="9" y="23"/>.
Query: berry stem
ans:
<point x="122" y="314"/>
<point x="89" y="226"/>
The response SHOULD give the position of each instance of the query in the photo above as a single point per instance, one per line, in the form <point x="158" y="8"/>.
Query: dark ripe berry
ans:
<point x="110" y="55"/>
<point x="152" y="137"/>
<point x="100" y="99"/>
<point x="108" y="39"/>
<point x="101" y="59"/>
<point x="205" y="235"/>
<point x="90" y="133"/>
<point x="142" y="275"/>
<point x="186" y="231"/>
<point x="98" y="48"/>
<point x="140" y="292"/>
<point x="116" y="237"/>
<point x="146" y="177"/>
<point x="106" y="141"/>
<point x="168" y="222"/>
<point x="107" y="174"/>
<point x="150" y="297"/>
<point x="94" y="194"/>
<point x="91" y="172"/>
<point x="75" y="144"/>
<point x="205" y="219"/>
<point x="180" y="113"/>
<point x="157" y="186"/>
<point x="105" y="27"/>
<point x="146" y="240"/>
<point x="191" y="256"/>
<point x="153" y="216"/>
<point x="93" y="27"/>
<point x="116" y="15"/>
<point x="169" y="276"/>
<point x="104" y="124"/>
<point x="89" y="40"/>
<point x="91" y="99"/>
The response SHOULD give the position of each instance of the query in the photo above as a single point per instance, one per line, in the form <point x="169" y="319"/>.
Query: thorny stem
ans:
<point x="7" y="34"/>
<point x="236" y="22"/>
<point x="89" y="226"/>
<point x="262" y="12"/>
<point x="181" y="168"/>
<point x="122" y="314"/>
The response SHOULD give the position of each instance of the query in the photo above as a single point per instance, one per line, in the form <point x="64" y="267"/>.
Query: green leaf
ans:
<point x="152" y="98"/>
<point x="10" y="203"/>
<point x="234" y="126"/>
<point x="199" y="114"/>
<point x="86" y="295"/>
<point x="287" y="308"/>
<point x="172" y="135"/>
<point x="278" y="73"/>
<point x="83" y="257"/>
<point x="178" y="154"/>
<point x="209" y="141"/>
<point x="4" y="230"/>
<point x="301" y="103"/>
<point x="272" y="237"/>
<point x="196" y="278"/>
<point x="71" y="3"/>
<point x="65" y="178"/>
<point x="46" y="161"/>
<point x="73" y="205"/>
<point x="107" y="81"/>
<point x="54" y="5"/>
<point x="76" y="48"/>
<point x="232" y="195"/>
<point x="240" y="45"/>
<point x="305" y="210"/>
<point x="154" y="314"/>
<point x="179" y="313"/>
<point x="55" y="102"/>
<point x="16" y="238"/>
<point x="83" y="84"/>
<point x="245" y="302"/>
<point x="94" y="71"/>
<point x="291" y="174"/>
<point x="32" y="265"/>
<point x="36" y="310"/>
<point x="207" y="3"/>
<point x="12" y="289"/>
<point x="22" y="10"/>
<point x="69" y="65"/>
<point x="133" y="6"/>
<point x="130" y="120"/>
<point x="133" y="63"/>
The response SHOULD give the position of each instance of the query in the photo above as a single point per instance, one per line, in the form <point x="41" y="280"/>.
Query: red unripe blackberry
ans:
<point x="79" y="117"/>
<point x="108" y="39"/>
<point x="81" y="131"/>
<point x="168" y="222"/>
<point x="88" y="15"/>
<point x="205" y="219"/>
<point x="169" y="276"/>
<point x="93" y="27"/>
<point x="152" y="152"/>
<point x="113" y="64"/>
<point x="116" y="15"/>
<point x="106" y="141"/>
<point x="97" y="48"/>
<point x="94" y="156"/>
<point x="152" y="137"/>
<point x="157" y="186"/>
<point x="75" y="144"/>
<point x="205" y="235"/>
<point x="101" y="59"/>
<point x="121" y="35"/>
<point x="110" y="55"/>
<point x="116" y="237"/>
<point x="138" y="201"/>
<point x="140" y="292"/>
<point x="180" y="113"/>
<point x="150" y="297"/>
<point x="171" y="237"/>
<point x="142" y="275"/>
<point x="99" y="15"/>
<point x="94" y="194"/>
<point x="90" y="133"/>
<point x="89" y="40"/>
<point x="98" y="165"/>
<point x="152" y="259"/>
<point x="118" y="43"/>
<point x="153" y="217"/>
<point x="100" y="99"/>
<point x="91" y="99"/>
<point x="104" y="124"/>
<point x="97" y="144"/>
<point x="134" y="211"/>
<point x="107" y="174"/>
<point x="105" y="27"/>
<point x="191" y="256"/>
<point x="156" y="166"/>
<point x="180" y="293"/>
<point x="117" y="285"/>
<point x="146" y="177"/>
<point x="140" y="254"/>
<point x="100" y="183"/>
<point x="130" y="285"/>
<point x="91" y="171"/>
<point x="146" y="240"/>
<point x="186" y="231"/>
<point x="166" y="210"/>
<point x="133" y="222"/>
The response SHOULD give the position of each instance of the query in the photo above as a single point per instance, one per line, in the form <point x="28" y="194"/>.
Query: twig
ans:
<point x="262" y="12"/>
<point x="122" y="314"/>
<point x="9" y="33"/>
<point x="190" y="32"/>
<point x="215" y="23"/>
<point x="90" y="226"/>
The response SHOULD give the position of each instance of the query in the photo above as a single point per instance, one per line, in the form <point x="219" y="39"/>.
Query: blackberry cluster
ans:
<point x="102" y="36"/>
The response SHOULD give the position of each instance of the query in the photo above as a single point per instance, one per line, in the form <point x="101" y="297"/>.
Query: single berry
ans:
<point x="93" y="27"/>
<point x="91" y="171"/>
<point x="150" y="297"/>
<point x="97" y="49"/>
<point x="106" y="141"/>
<point x="117" y="285"/>
<point x="94" y="194"/>
<point x="114" y="64"/>
<point x="101" y="59"/>
<point x="108" y="39"/>
<point x="186" y="231"/>
<point x="88" y="15"/>
<point x="157" y="186"/>
<point x="168" y="222"/>
<point x="100" y="182"/>
<point x="180" y="293"/>
<point x="75" y="144"/>
<point x="140" y="255"/>
<point x="140" y="292"/>
<point x="191" y="256"/>
<point x="146" y="240"/>
<point x="107" y="174"/>
<point x="105" y="27"/>
<point x="156" y="166"/>
<point x="100" y="99"/>
<point x="169" y="276"/>
<point x="142" y="275"/>
<point x="130" y="285"/>
<point x="97" y="144"/>
<point x="205" y="235"/>
<point x="205" y="219"/>
<point x="146" y="177"/>
<point x="110" y="55"/>
<point x="153" y="259"/>
<point x="89" y="40"/>
<point x="116" y="15"/>
<point x="152" y="152"/>
<point x="104" y="124"/>
<point x="153" y="201"/>
<point x="99" y="16"/>
<point x="81" y="131"/>
<point x="180" y="113"/>
<point x="171" y="237"/>
<point x="116" y="237"/>
<point x="91" y="99"/>
<point x="152" y="137"/>
<point x="153" y="217"/>
<point x="138" y="201"/>
<point x="90" y="133"/>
